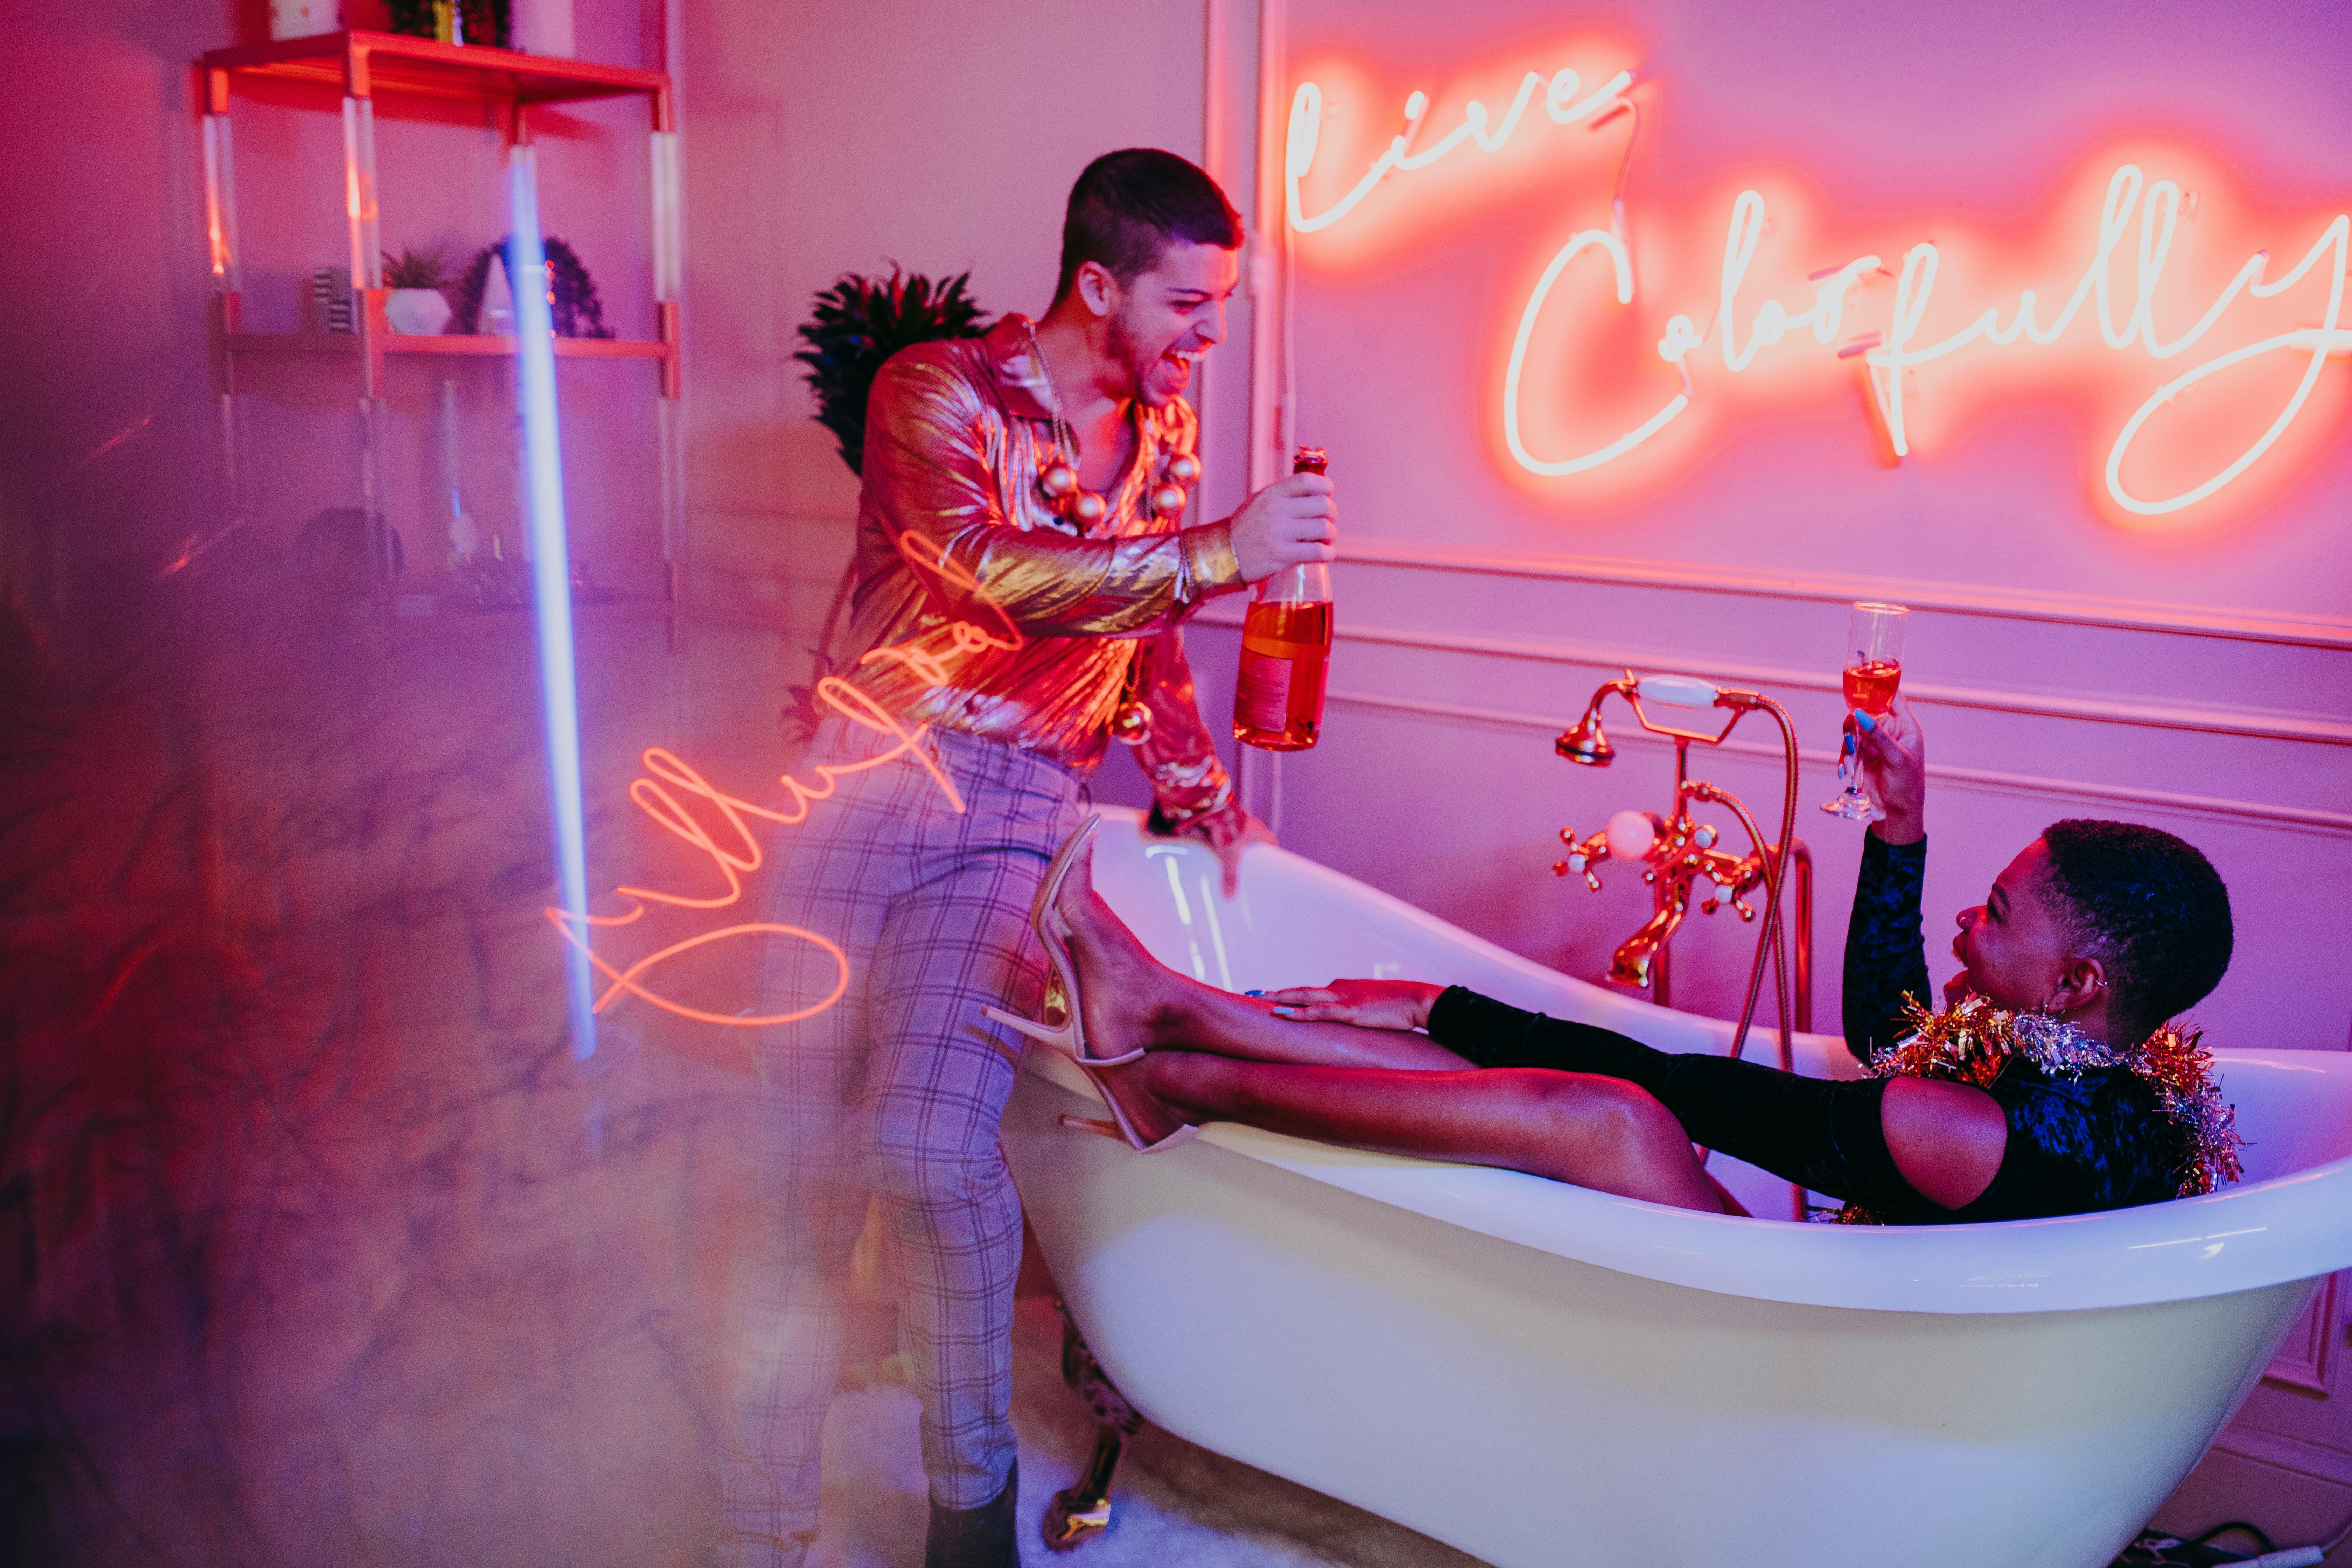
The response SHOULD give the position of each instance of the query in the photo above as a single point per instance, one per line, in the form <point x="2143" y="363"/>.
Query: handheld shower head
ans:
<point x="1586" y="741"/>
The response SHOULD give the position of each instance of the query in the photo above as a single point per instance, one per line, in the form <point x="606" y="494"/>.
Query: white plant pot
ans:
<point x="304" y="19"/>
<point x="417" y="313"/>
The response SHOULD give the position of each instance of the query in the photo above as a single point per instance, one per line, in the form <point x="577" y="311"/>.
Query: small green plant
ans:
<point x="415" y="268"/>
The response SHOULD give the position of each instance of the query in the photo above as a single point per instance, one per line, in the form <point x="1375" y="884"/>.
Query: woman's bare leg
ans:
<point x="1594" y="1131"/>
<point x="1132" y="999"/>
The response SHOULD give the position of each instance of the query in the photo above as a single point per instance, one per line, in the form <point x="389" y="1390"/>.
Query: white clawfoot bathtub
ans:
<point x="1543" y="1375"/>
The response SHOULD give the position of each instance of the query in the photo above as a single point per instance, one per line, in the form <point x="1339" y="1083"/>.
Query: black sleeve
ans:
<point x="2078" y="1145"/>
<point x="1884" y="955"/>
<point x="1820" y="1134"/>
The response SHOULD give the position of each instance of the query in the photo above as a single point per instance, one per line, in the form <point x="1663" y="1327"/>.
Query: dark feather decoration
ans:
<point x="578" y="309"/>
<point x="861" y="321"/>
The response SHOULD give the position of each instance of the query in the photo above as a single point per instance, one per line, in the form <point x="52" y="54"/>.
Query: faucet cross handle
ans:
<point x="1583" y="856"/>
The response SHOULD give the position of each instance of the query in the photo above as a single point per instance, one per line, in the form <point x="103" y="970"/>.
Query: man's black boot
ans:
<point x="979" y="1537"/>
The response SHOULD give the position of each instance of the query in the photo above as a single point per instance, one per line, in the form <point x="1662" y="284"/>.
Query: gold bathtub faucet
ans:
<point x="1678" y="853"/>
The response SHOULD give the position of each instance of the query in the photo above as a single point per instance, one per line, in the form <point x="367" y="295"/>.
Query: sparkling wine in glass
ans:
<point x="1873" y="668"/>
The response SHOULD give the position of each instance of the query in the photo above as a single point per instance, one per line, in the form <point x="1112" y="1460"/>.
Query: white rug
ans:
<point x="1172" y="1504"/>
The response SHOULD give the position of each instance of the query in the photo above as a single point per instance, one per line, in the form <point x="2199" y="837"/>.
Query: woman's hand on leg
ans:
<point x="1366" y="1003"/>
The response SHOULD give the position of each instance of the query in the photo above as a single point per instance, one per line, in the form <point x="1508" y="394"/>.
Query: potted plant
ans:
<point x="416" y="306"/>
<point x="454" y="21"/>
<point x="861" y="321"/>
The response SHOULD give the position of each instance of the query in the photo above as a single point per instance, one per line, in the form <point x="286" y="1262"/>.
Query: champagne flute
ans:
<point x="1873" y="668"/>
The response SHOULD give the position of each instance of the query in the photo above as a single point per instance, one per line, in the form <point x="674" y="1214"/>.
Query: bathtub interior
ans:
<point x="2295" y="1110"/>
<point x="1298" y="923"/>
<point x="1295" y="923"/>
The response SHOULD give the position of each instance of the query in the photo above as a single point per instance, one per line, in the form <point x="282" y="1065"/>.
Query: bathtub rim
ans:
<point x="2290" y="1227"/>
<point x="1829" y="1050"/>
<point x="2297" y="1226"/>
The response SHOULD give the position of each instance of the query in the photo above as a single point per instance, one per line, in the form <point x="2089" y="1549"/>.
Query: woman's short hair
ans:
<point x="1129" y="205"/>
<point x="2149" y="907"/>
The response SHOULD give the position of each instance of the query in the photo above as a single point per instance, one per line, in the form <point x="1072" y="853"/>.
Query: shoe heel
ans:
<point x="1126" y="1129"/>
<point x="1063" y="1039"/>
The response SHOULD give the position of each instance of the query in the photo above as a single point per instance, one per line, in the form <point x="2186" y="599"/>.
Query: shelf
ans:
<point x="383" y="71"/>
<point x="606" y="604"/>
<point x="362" y="64"/>
<point x="479" y="346"/>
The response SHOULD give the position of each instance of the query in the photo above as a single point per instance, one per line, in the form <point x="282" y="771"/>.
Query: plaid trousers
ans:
<point x="895" y="1091"/>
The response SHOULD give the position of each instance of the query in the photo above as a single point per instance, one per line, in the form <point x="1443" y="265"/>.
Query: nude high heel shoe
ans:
<point x="1119" y="1126"/>
<point x="1069" y="1038"/>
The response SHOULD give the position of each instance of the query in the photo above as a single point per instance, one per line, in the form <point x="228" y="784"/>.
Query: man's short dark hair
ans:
<point x="2148" y="907"/>
<point x="1129" y="205"/>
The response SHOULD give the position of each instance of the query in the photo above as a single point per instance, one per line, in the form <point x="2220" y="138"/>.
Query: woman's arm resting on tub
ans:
<point x="1366" y="1003"/>
<point x="1886" y="1143"/>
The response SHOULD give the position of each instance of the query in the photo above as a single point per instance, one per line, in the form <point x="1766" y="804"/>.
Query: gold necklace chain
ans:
<point x="1064" y="431"/>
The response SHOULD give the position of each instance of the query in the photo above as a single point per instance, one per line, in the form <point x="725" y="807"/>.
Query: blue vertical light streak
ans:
<point x="550" y="574"/>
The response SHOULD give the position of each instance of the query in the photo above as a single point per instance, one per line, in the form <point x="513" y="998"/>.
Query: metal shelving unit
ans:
<point x="358" y="67"/>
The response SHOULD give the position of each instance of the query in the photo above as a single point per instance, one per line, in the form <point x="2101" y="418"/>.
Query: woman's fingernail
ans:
<point x="1864" y="720"/>
<point x="1253" y="993"/>
<point x="1281" y="1012"/>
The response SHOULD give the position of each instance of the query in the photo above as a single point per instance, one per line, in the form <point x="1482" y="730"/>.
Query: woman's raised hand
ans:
<point x="1366" y="1004"/>
<point x="1894" y="755"/>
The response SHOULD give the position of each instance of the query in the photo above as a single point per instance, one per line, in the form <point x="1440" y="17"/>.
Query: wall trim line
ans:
<point x="1961" y="599"/>
<point x="2317" y="1461"/>
<point x="2100" y="710"/>
<point x="2292" y="818"/>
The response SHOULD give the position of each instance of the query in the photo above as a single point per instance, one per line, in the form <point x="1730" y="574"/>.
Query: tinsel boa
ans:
<point x="1971" y="1043"/>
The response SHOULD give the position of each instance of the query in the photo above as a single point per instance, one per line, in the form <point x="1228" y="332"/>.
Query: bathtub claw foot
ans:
<point x="1082" y="1512"/>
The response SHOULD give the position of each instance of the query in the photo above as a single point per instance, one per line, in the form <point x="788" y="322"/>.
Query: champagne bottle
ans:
<point x="1286" y="649"/>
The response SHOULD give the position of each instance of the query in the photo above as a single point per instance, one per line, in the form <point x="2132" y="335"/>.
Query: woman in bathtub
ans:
<point x="2109" y="927"/>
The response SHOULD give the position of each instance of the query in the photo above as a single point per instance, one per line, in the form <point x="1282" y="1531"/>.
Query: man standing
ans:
<point x="1021" y="578"/>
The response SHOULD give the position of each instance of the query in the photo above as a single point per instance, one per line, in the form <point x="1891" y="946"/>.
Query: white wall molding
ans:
<point x="2194" y="718"/>
<point x="2268" y="814"/>
<point x="2315" y="1460"/>
<point x="1951" y="598"/>
<point x="2307" y="1359"/>
<point x="782" y="571"/>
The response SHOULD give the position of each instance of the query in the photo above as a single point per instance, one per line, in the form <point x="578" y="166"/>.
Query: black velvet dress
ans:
<point x="2075" y="1144"/>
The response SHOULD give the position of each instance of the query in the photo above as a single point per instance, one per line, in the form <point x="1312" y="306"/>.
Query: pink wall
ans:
<point x="827" y="138"/>
<point x="106" y="431"/>
<point x="2067" y="671"/>
<point x="1870" y="130"/>
<point x="1399" y="355"/>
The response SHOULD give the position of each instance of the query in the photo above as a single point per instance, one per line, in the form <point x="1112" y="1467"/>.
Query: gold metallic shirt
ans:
<point x="956" y="435"/>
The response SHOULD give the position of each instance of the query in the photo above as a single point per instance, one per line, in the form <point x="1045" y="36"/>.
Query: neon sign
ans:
<point x="2118" y="267"/>
<point x="736" y="855"/>
<point x="1560" y="104"/>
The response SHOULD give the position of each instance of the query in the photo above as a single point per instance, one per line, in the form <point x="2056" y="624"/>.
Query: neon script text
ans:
<point x="2139" y="218"/>
<point x="674" y="789"/>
